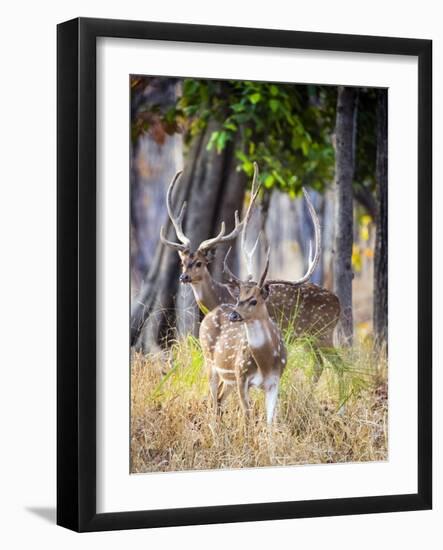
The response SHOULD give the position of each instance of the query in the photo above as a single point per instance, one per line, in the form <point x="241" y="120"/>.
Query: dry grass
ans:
<point x="173" y="427"/>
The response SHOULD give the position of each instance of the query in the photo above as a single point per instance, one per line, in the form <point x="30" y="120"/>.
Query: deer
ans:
<point x="248" y="350"/>
<point x="208" y="292"/>
<point x="306" y="309"/>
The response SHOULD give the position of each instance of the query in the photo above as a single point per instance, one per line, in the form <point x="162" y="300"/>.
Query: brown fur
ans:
<point x="309" y="310"/>
<point x="208" y="292"/>
<point x="243" y="353"/>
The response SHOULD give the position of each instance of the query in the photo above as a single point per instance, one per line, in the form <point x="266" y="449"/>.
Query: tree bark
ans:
<point x="344" y="170"/>
<point x="154" y="168"/>
<point x="231" y="198"/>
<point x="328" y="236"/>
<point x="381" y="235"/>
<point x="213" y="192"/>
<point x="281" y="233"/>
<point x="264" y="243"/>
<point x="155" y="157"/>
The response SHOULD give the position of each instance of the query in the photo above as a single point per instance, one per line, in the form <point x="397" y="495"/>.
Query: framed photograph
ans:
<point x="244" y="274"/>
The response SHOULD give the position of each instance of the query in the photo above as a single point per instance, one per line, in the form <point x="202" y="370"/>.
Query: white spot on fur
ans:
<point x="219" y="369"/>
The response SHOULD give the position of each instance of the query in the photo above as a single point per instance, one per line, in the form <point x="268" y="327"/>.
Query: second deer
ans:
<point x="308" y="310"/>
<point x="243" y="347"/>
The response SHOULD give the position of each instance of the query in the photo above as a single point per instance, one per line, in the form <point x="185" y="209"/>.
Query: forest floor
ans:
<point x="173" y="427"/>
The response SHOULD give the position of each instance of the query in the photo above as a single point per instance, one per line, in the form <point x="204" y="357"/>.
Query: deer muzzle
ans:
<point x="184" y="278"/>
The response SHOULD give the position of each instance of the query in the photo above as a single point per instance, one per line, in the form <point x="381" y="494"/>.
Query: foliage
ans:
<point x="174" y="428"/>
<point x="287" y="128"/>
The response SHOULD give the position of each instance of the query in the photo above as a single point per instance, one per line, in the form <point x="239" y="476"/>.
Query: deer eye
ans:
<point x="198" y="264"/>
<point x="253" y="303"/>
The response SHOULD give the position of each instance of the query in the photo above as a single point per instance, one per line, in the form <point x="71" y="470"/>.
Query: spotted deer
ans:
<point x="304" y="308"/>
<point x="243" y="347"/>
<point x="208" y="292"/>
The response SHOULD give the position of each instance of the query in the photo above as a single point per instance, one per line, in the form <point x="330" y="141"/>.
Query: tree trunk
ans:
<point x="231" y="198"/>
<point x="154" y="167"/>
<point x="281" y="234"/>
<point x="381" y="236"/>
<point x="344" y="171"/>
<point x="213" y="192"/>
<point x="155" y="157"/>
<point x="328" y="235"/>
<point x="264" y="243"/>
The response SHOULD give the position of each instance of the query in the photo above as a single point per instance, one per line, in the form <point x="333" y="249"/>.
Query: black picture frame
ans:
<point x="76" y="267"/>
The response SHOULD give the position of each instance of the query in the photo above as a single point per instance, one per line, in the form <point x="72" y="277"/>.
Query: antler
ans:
<point x="176" y="221"/>
<point x="239" y="226"/>
<point x="254" y="192"/>
<point x="317" y="236"/>
<point x="221" y="237"/>
<point x="232" y="277"/>
<point x="262" y="279"/>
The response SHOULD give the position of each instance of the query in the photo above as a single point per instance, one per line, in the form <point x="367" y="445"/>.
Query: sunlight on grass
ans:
<point x="173" y="426"/>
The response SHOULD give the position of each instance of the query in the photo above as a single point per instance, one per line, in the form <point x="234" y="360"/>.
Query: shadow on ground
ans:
<point x="46" y="513"/>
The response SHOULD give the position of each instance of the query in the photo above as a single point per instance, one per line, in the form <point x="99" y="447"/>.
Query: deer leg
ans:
<point x="214" y="382"/>
<point x="243" y="393"/>
<point x="271" y="394"/>
<point x="223" y="391"/>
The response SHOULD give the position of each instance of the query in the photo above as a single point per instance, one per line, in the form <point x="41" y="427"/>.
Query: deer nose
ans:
<point x="184" y="278"/>
<point x="234" y="316"/>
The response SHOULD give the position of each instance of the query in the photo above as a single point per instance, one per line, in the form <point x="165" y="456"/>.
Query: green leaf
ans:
<point x="191" y="110"/>
<point x="238" y="107"/>
<point x="274" y="90"/>
<point x="274" y="104"/>
<point x="222" y="139"/>
<point x="241" y="118"/>
<point x="248" y="167"/>
<point x="269" y="181"/>
<point x="230" y="126"/>
<point x="278" y="177"/>
<point x="241" y="156"/>
<point x="190" y="86"/>
<point x="255" y="98"/>
<point x="212" y="141"/>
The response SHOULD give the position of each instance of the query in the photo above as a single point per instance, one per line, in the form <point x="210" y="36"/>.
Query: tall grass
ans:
<point x="174" y="428"/>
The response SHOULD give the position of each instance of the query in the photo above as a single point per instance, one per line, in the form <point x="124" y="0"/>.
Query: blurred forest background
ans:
<point x="332" y="140"/>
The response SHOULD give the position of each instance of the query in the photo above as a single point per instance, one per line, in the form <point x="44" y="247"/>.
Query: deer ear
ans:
<point x="265" y="291"/>
<point x="183" y="253"/>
